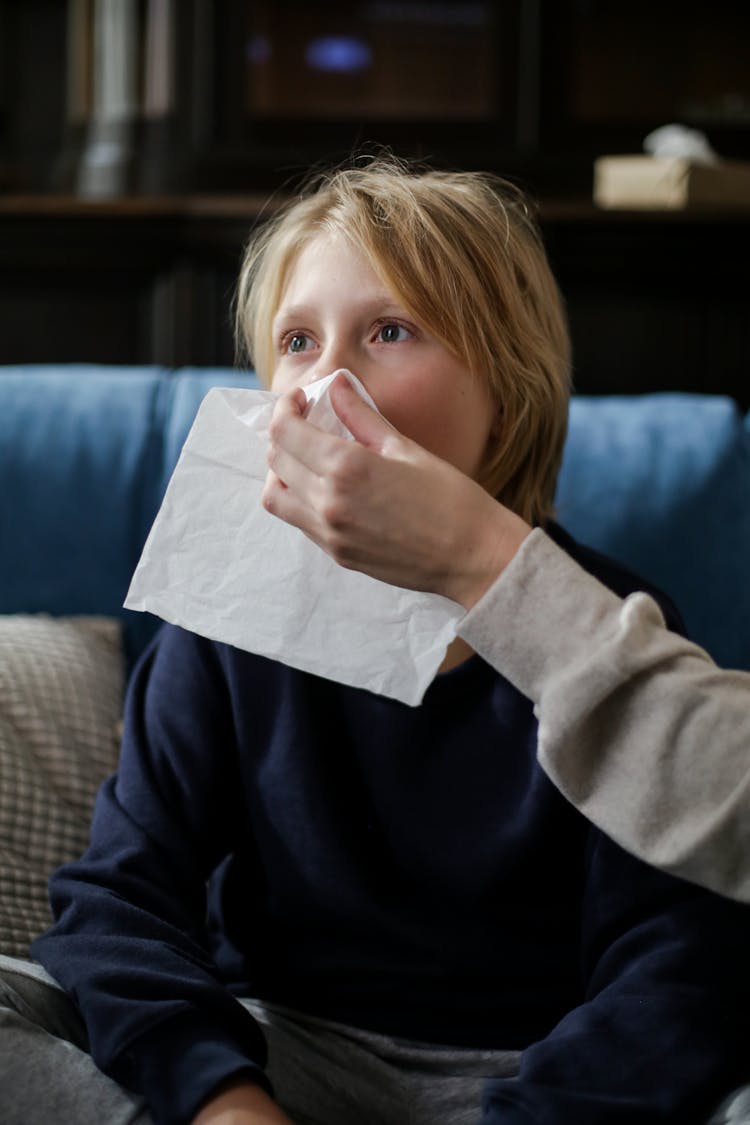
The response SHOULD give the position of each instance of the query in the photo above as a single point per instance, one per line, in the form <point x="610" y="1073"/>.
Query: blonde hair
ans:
<point x="462" y="252"/>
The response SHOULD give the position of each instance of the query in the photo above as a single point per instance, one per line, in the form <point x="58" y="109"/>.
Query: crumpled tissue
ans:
<point x="679" y="140"/>
<point x="216" y="563"/>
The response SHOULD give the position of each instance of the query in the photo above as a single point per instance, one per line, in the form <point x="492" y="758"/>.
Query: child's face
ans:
<point x="336" y="312"/>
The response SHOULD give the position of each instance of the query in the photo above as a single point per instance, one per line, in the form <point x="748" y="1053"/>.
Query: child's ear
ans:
<point x="496" y="428"/>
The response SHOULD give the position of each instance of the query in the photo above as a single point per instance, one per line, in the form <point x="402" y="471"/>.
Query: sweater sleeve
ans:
<point x="660" y="1035"/>
<point x="637" y="726"/>
<point x="129" y="941"/>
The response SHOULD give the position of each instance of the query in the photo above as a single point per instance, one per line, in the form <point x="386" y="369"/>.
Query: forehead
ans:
<point x="329" y="265"/>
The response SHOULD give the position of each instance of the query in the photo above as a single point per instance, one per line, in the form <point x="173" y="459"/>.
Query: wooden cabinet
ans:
<point x="657" y="302"/>
<point x="127" y="281"/>
<point x="228" y="95"/>
<point x="532" y="88"/>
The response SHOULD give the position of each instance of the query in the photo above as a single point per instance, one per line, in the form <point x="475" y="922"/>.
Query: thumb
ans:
<point x="366" y="425"/>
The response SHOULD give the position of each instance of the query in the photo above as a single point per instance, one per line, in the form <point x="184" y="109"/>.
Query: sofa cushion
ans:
<point x="80" y="449"/>
<point x="61" y="689"/>
<point x="662" y="483"/>
<point x="86" y="451"/>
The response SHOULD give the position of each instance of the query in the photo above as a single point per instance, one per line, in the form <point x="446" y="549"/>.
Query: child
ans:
<point x="399" y="904"/>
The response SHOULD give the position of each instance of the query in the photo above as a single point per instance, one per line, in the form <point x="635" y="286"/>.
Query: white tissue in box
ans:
<point x="218" y="564"/>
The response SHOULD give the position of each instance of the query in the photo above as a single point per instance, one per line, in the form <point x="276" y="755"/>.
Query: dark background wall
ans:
<point x="260" y="92"/>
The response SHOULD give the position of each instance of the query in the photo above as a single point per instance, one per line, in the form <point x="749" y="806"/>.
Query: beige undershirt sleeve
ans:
<point x="637" y="727"/>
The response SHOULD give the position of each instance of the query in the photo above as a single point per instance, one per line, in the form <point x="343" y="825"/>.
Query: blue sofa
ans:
<point x="661" y="482"/>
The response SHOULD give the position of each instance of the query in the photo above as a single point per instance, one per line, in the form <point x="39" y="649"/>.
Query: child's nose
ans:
<point x="335" y="355"/>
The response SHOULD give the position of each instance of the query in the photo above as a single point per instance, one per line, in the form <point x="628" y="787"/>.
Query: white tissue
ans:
<point x="319" y="410"/>
<point x="218" y="564"/>
<point x="678" y="140"/>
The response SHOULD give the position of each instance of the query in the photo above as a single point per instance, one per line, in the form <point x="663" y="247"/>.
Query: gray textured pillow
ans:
<point x="61" y="690"/>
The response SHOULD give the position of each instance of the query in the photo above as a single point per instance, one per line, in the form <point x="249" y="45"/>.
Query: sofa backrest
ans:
<point x="660" y="482"/>
<point x="86" y="452"/>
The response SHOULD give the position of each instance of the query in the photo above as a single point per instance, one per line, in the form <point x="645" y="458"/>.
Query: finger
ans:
<point x="366" y="425"/>
<point x="293" y="472"/>
<point x="298" y="452"/>
<point x="290" y="404"/>
<point x="291" y="435"/>
<point x="286" y="505"/>
<point x="277" y="499"/>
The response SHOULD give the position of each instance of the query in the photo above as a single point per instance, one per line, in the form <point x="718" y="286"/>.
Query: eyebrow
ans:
<point x="384" y="305"/>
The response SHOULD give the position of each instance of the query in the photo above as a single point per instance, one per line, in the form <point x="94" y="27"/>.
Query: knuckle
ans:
<point x="275" y="428"/>
<point x="275" y="460"/>
<point x="340" y="550"/>
<point x="348" y="466"/>
<point x="268" y="498"/>
<point x="338" y="469"/>
<point x="335" y="513"/>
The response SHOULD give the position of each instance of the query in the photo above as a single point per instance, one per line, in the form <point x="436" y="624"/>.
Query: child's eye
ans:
<point x="392" y="333"/>
<point x="296" y="343"/>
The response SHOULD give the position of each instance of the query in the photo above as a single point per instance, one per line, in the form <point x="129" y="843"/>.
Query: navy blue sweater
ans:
<point x="407" y="870"/>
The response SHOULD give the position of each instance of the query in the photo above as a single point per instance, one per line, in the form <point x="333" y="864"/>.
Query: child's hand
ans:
<point x="240" y="1102"/>
<point x="384" y="505"/>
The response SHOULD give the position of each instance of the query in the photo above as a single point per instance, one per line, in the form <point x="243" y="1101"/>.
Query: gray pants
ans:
<point x="323" y="1073"/>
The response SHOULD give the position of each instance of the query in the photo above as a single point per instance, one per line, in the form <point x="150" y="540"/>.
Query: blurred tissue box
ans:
<point x="679" y="171"/>
<point x="216" y="563"/>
